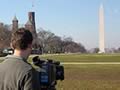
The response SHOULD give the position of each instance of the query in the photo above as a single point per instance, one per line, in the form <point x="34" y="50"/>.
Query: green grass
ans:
<point x="1" y="61"/>
<point x="88" y="77"/>
<point x="91" y="77"/>
<point x="83" y="57"/>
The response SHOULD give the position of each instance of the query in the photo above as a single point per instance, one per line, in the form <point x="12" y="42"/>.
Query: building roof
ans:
<point x="15" y="18"/>
<point x="28" y="22"/>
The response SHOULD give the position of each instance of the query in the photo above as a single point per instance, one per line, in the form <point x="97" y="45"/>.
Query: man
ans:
<point x="15" y="72"/>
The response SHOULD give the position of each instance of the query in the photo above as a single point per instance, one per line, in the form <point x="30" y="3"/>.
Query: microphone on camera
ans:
<point x="37" y="61"/>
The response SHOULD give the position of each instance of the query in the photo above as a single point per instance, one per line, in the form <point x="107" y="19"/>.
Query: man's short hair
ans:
<point x="21" y="38"/>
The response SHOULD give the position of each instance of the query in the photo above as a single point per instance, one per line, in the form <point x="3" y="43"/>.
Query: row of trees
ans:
<point x="52" y="43"/>
<point x="5" y="35"/>
<point x="48" y="42"/>
<point x="107" y="50"/>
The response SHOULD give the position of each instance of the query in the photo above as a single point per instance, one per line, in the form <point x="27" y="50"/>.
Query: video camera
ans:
<point x="50" y="73"/>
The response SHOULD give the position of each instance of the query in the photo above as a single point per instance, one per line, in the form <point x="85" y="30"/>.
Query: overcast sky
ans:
<point x="75" y="18"/>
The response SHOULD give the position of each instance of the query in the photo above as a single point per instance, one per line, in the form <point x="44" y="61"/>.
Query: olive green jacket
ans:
<point x="17" y="74"/>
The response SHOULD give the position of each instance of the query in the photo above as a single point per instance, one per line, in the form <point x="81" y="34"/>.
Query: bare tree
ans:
<point x="73" y="47"/>
<point x="52" y="43"/>
<point x="5" y="36"/>
<point x="44" y="37"/>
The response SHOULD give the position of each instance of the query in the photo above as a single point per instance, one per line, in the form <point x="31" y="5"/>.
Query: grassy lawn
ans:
<point x="80" y="57"/>
<point x="83" y="57"/>
<point x="88" y="77"/>
<point x="1" y="61"/>
<point x="91" y="77"/>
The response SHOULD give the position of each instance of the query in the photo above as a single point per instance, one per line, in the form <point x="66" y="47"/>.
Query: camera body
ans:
<point x="51" y="72"/>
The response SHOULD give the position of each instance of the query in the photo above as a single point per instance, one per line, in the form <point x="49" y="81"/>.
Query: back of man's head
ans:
<point x="21" y="39"/>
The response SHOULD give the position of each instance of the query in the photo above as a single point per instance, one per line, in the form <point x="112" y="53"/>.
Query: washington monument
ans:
<point x="101" y="30"/>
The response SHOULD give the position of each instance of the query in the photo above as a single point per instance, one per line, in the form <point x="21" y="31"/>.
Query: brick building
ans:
<point x="30" y="25"/>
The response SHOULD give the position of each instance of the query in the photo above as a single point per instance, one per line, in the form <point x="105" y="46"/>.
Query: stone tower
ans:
<point x="14" y="24"/>
<point x="31" y="16"/>
<point x="30" y="25"/>
<point x="101" y="30"/>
